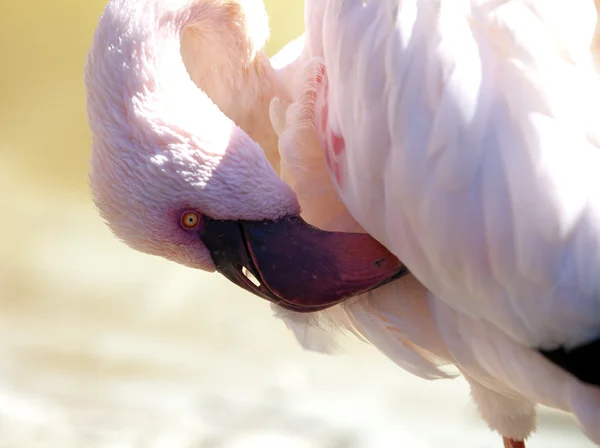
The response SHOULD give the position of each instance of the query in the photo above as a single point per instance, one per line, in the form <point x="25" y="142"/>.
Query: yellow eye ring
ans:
<point x="189" y="220"/>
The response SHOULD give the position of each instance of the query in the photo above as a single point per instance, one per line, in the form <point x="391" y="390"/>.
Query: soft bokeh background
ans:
<point x="103" y="347"/>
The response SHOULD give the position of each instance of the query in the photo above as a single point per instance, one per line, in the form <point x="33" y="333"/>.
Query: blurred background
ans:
<point x="103" y="347"/>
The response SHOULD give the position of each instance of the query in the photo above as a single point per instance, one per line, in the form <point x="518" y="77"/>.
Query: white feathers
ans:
<point x="318" y="332"/>
<point x="468" y="155"/>
<point x="397" y="319"/>
<point x="473" y="153"/>
<point x="394" y="318"/>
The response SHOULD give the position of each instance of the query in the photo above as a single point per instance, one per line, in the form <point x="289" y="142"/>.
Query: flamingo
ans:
<point x="445" y="127"/>
<point x="178" y="170"/>
<point x="164" y="156"/>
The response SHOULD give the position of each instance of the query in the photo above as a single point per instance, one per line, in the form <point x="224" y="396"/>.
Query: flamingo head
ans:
<point x="173" y="176"/>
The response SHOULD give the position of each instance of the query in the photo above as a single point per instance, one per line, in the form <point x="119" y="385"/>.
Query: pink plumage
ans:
<point x="186" y="165"/>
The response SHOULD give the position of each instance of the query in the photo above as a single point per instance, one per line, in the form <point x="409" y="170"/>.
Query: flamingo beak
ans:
<point x="296" y="265"/>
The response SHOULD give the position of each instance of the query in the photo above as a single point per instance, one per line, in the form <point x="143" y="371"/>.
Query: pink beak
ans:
<point x="296" y="265"/>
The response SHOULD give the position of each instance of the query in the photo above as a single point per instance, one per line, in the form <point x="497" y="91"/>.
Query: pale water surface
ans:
<point x="103" y="347"/>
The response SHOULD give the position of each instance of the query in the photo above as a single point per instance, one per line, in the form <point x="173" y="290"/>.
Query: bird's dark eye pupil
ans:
<point x="189" y="220"/>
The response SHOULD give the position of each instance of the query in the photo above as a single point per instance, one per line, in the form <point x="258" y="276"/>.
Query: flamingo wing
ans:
<point x="462" y="135"/>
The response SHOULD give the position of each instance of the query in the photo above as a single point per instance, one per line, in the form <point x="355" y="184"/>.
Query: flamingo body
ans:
<point x="449" y="136"/>
<point x="179" y="170"/>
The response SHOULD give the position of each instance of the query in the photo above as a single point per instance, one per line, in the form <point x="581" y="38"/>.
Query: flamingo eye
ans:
<point x="189" y="220"/>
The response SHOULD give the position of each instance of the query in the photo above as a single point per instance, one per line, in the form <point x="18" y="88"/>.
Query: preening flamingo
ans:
<point x="174" y="176"/>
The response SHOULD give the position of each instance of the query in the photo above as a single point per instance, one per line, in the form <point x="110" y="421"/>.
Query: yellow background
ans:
<point x="43" y="46"/>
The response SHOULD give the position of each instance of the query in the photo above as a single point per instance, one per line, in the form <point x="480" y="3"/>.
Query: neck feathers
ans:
<point x="180" y="61"/>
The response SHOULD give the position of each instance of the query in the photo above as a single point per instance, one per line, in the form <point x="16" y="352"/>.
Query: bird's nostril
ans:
<point x="250" y="276"/>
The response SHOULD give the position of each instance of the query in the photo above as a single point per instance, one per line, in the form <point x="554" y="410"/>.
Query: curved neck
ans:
<point x="180" y="60"/>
